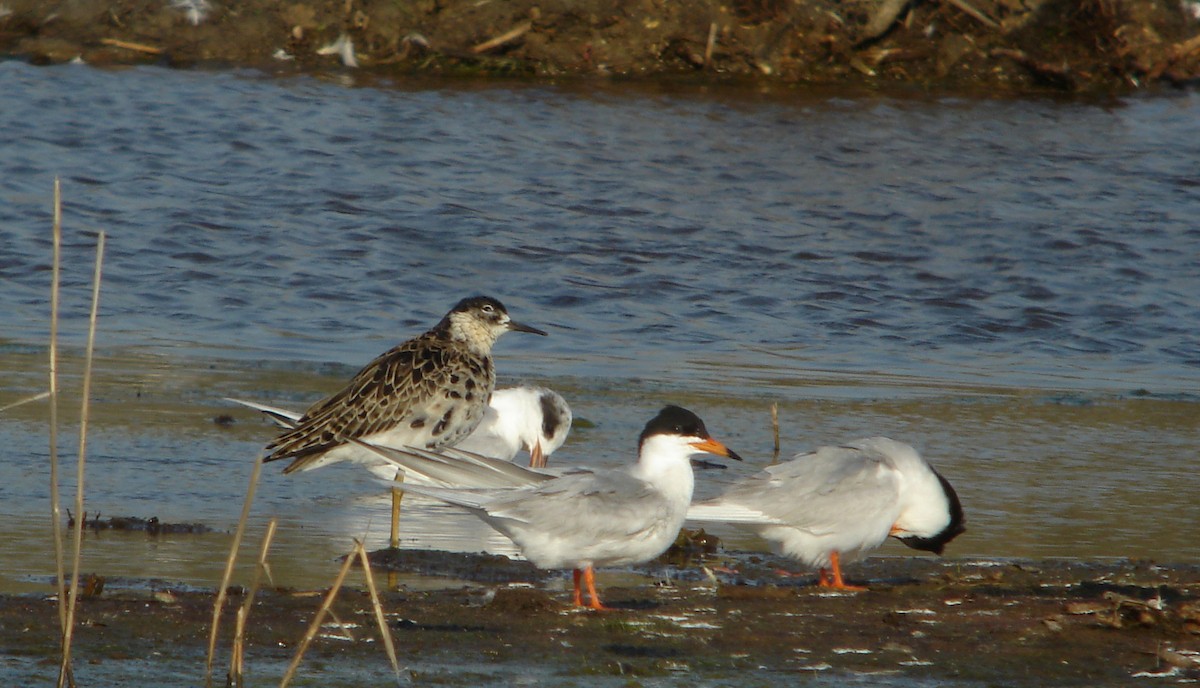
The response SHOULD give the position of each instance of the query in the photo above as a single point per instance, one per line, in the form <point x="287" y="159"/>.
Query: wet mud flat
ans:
<point x="1008" y="45"/>
<point x="923" y="622"/>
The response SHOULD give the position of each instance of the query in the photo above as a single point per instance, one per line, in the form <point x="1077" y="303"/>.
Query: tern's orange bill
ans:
<point x="714" y="447"/>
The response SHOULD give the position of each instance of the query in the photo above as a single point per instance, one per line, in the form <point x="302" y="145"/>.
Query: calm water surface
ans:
<point x="1011" y="286"/>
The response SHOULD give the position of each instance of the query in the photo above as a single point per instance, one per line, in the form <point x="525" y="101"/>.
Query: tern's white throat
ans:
<point x="665" y="462"/>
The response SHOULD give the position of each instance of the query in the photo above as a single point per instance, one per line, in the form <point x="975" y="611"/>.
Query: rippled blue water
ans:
<point x="304" y="220"/>
<point x="1011" y="285"/>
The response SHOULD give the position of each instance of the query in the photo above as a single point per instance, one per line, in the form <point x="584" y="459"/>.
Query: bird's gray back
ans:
<point x="819" y="488"/>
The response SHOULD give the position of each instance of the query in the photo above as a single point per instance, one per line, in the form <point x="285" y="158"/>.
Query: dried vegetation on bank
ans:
<point x="1008" y="45"/>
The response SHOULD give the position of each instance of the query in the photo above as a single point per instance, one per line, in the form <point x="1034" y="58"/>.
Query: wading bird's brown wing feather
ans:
<point x="417" y="384"/>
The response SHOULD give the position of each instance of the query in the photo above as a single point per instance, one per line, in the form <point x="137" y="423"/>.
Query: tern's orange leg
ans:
<point x="578" y="591"/>
<point x="589" y="577"/>
<point x="836" y="583"/>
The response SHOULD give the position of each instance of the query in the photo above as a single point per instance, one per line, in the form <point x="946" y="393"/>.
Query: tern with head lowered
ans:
<point x="837" y="503"/>
<point x="525" y="417"/>
<point x="428" y="392"/>
<point x="584" y="517"/>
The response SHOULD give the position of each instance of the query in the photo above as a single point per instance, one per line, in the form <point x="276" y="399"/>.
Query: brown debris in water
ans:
<point x="1009" y="45"/>
<point x="150" y="526"/>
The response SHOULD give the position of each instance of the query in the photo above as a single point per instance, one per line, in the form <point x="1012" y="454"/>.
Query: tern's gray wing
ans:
<point x="454" y="467"/>
<point x="583" y="505"/>
<point x="410" y="385"/>
<point x="818" y="491"/>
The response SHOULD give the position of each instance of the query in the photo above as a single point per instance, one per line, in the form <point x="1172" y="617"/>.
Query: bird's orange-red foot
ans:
<point x="578" y="599"/>
<point x="836" y="582"/>
<point x="588" y="577"/>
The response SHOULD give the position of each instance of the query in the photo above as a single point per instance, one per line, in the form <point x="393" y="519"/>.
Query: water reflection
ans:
<point x="1040" y="473"/>
<point x="1007" y="285"/>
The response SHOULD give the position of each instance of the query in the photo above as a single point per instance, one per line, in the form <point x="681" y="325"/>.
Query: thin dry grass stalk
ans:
<point x="506" y="37"/>
<point x="65" y="668"/>
<point x="27" y="400"/>
<point x="237" y="668"/>
<point x="229" y="563"/>
<point x="316" y="623"/>
<point x="378" y="607"/>
<point x="55" y="507"/>
<point x="60" y="577"/>
<point x="775" y="431"/>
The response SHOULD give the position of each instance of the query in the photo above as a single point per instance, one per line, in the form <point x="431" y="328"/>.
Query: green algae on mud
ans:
<point x="1016" y="623"/>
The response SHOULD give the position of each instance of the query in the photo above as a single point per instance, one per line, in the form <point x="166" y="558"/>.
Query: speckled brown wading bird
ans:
<point x="522" y="418"/>
<point x="428" y="392"/>
<point x="839" y="502"/>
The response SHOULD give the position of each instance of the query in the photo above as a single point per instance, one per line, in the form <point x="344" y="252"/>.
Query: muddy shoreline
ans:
<point x="989" y="45"/>
<point x="923" y="620"/>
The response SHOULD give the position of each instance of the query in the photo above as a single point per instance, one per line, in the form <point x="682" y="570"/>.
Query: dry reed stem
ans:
<point x="775" y="430"/>
<point x="347" y="630"/>
<point x="68" y="632"/>
<point x="27" y="400"/>
<point x="507" y="37"/>
<point x="60" y="576"/>
<point x="976" y="14"/>
<point x="130" y="45"/>
<point x="316" y="623"/>
<point x="236" y="658"/>
<point x="710" y="45"/>
<point x="378" y="607"/>
<point x="229" y="562"/>
<point x="237" y="661"/>
<point x="55" y="507"/>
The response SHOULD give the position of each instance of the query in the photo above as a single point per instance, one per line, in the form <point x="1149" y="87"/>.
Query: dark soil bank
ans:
<point x="923" y="620"/>
<point x="1005" y="45"/>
